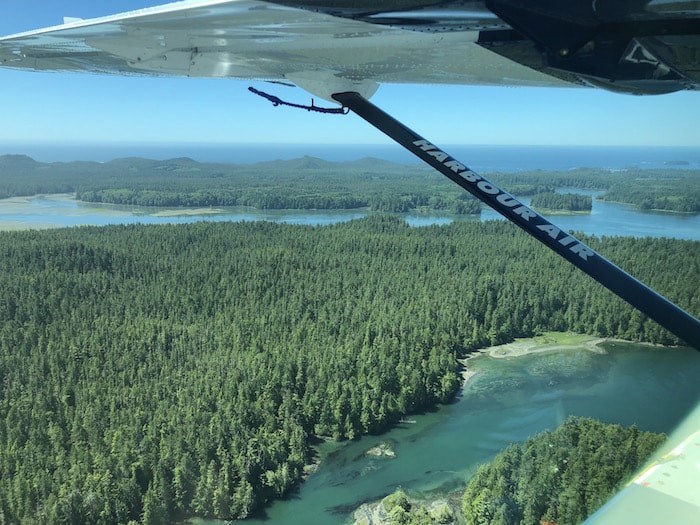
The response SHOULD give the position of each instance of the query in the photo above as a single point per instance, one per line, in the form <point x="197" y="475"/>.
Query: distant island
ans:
<point x="306" y="183"/>
<point x="562" y="202"/>
<point x="311" y="183"/>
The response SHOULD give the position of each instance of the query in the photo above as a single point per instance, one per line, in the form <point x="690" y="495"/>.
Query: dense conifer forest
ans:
<point x="153" y="372"/>
<point x="658" y="194"/>
<point x="561" y="477"/>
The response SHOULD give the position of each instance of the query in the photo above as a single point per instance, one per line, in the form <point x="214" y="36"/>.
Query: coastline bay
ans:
<point x="506" y="400"/>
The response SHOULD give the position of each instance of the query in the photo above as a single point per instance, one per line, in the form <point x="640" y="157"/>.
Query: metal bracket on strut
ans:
<point x="636" y="293"/>
<point x="276" y="101"/>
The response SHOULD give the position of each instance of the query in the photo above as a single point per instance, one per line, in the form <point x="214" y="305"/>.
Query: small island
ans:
<point x="561" y="476"/>
<point x="560" y="203"/>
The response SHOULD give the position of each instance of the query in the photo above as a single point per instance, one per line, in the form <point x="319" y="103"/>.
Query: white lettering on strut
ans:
<point x="486" y="188"/>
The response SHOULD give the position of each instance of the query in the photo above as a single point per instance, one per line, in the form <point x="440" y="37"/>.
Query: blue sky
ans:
<point x="56" y="108"/>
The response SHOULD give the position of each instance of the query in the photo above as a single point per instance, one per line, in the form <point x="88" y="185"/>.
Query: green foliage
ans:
<point x="396" y="499"/>
<point x="648" y="190"/>
<point x="562" y="201"/>
<point x="560" y="477"/>
<point x="402" y="511"/>
<point x="149" y="373"/>
<point x="442" y="514"/>
<point x="668" y="189"/>
<point x="305" y="183"/>
<point x="310" y="183"/>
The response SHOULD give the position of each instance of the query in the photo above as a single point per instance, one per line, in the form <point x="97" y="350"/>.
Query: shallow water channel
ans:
<point x="51" y="211"/>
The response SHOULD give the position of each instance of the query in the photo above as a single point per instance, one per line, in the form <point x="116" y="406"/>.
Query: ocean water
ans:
<point x="480" y="158"/>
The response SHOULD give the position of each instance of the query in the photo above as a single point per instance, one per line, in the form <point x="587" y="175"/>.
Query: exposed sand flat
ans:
<point x="523" y="347"/>
<point x="548" y="342"/>
<point x="187" y="211"/>
<point x="8" y="226"/>
<point x="25" y="199"/>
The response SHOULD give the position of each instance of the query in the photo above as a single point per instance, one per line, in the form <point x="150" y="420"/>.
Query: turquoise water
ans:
<point x="44" y="211"/>
<point x="507" y="401"/>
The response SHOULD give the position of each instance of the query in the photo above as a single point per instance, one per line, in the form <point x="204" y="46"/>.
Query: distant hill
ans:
<point x="304" y="163"/>
<point x="313" y="163"/>
<point x="17" y="162"/>
<point x="141" y="164"/>
<point x="24" y="162"/>
<point x="372" y="163"/>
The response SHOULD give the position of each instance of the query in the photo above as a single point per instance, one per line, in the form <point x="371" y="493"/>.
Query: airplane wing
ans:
<point x="666" y="491"/>
<point x="328" y="46"/>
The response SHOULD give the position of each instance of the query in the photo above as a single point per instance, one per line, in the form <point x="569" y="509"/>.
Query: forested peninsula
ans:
<point x="561" y="476"/>
<point x="312" y="183"/>
<point x="558" y="477"/>
<point x="150" y="373"/>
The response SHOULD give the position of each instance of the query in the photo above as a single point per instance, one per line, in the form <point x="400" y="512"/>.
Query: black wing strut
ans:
<point x="657" y="307"/>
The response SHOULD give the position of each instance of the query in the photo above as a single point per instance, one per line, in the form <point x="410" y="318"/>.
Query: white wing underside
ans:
<point x="250" y="39"/>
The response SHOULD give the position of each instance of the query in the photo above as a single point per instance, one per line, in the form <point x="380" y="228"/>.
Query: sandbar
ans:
<point x="187" y="211"/>
<point x="547" y="342"/>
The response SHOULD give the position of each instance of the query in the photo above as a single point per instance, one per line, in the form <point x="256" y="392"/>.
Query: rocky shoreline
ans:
<point x="399" y="508"/>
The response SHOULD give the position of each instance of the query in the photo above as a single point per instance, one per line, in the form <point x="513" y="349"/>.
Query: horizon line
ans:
<point x="73" y="143"/>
